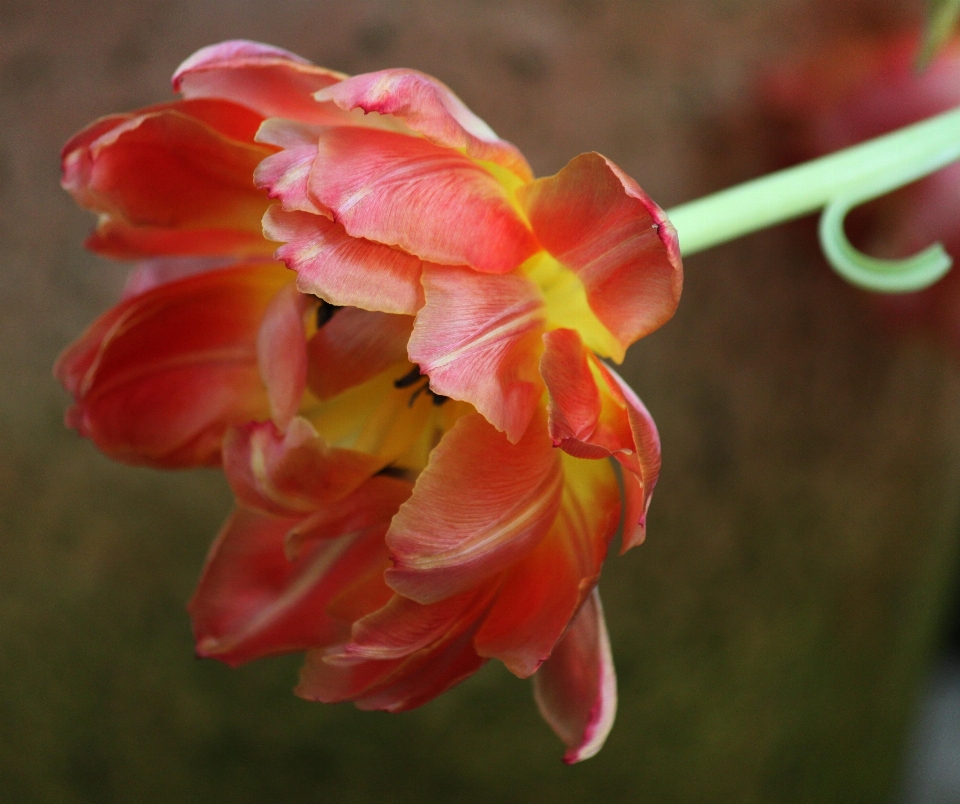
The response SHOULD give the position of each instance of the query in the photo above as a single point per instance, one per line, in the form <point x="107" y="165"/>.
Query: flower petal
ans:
<point x="398" y="684"/>
<point x="576" y="688"/>
<point x="252" y="601"/>
<point x="540" y="594"/>
<point x="430" y="108"/>
<point x="282" y="353"/>
<point x="355" y="346"/>
<point x="166" y="182"/>
<point x="643" y="465"/>
<point x="402" y="627"/>
<point x="159" y="378"/>
<point x="286" y="175"/>
<point x="149" y="274"/>
<point x="430" y="201"/>
<point x="480" y="504"/>
<point x="477" y="337"/>
<point x="345" y="271"/>
<point x="593" y="413"/>
<point x="597" y="222"/>
<point x="292" y="472"/>
<point x="269" y="80"/>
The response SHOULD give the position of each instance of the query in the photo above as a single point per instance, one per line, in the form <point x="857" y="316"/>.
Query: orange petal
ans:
<point x="597" y="222"/>
<point x="159" y="378"/>
<point x="593" y="414"/>
<point x="252" y="601"/>
<point x="375" y="502"/>
<point x="292" y="472"/>
<point x="167" y="182"/>
<point x="282" y="353"/>
<point x="355" y="346"/>
<point x="149" y="274"/>
<point x="430" y="201"/>
<point x="403" y="627"/>
<point x="430" y="108"/>
<point x="540" y="594"/>
<point x="269" y="80"/>
<point x="345" y="271"/>
<point x="477" y="337"/>
<point x="643" y="465"/>
<point x="480" y="504"/>
<point x="576" y="688"/>
<point x="401" y="683"/>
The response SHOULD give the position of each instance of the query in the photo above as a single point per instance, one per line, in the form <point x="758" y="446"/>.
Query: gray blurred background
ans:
<point x="773" y="634"/>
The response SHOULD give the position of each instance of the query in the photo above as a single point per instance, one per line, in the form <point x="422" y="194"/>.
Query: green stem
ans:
<point x="844" y="179"/>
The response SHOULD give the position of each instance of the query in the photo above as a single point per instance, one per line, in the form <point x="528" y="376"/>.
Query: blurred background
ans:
<point x="775" y="634"/>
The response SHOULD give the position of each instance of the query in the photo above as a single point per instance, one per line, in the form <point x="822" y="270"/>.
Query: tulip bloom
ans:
<point x="416" y="434"/>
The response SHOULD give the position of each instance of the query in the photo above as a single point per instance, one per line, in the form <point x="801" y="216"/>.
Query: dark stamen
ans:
<point x="409" y="378"/>
<point x="437" y="399"/>
<point x="325" y="312"/>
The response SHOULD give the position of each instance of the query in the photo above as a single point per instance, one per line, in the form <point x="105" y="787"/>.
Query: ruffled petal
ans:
<point x="576" y="688"/>
<point x="402" y="683"/>
<point x="286" y="175"/>
<point x="159" y="378"/>
<point x="291" y="472"/>
<point x="480" y="504"/>
<point x="596" y="221"/>
<point x="427" y="200"/>
<point x="478" y="339"/>
<point x="430" y="108"/>
<point x="643" y="465"/>
<point x="375" y="502"/>
<point x="282" y="353"/>
<point x="540" y="594"/>
<point x="345" y="271"/>
<point x="267" y="79"/>
<point x="252" y="601"/>
<point x="166" y="182"/>
<point x="355" y="346"/>
<point x="593" y="413"/>
<point x="402" y="627"/>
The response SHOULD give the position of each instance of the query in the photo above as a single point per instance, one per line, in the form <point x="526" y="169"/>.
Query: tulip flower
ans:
<point x="417" y="434"/>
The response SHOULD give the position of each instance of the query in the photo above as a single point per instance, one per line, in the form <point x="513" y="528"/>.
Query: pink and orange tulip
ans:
<point x="418" y="433"/>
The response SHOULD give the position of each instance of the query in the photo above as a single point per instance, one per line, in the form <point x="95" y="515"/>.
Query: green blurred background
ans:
<point x="772" y="634"/>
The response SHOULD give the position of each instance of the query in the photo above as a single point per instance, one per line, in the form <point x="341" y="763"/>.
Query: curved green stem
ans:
<point x="836" y="182"/>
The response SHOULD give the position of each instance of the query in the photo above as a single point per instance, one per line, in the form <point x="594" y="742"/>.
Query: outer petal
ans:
<point x="355" y="346"/>
<point x="644" y="465"/>
<point x="593" y="414"/>
<point x="576" y="688"/>
<point x="153" y="273"/>
<point x="282" y="353"/>
<point x="269" y="80"/>
<point x="293" y="472"/>
<point x="597" y="221"/>
<point x="477" y="337"/>
<point x="167" y="182"/>
<point x="402" y="627"/>
<point x="160" y="377"/>
<point x="540" y="594"/>
<point x="430" y="201"/>
<point x="344" y="270"/>
<point x="401" y="683"/>
<point x="286" y="174"/>
<point x="430" y="108"/>
<point x="480" y="504"/>
<point x="252" y="601"/>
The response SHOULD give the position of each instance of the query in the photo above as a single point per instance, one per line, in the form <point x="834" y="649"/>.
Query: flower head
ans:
<point x="417" y="431"/>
